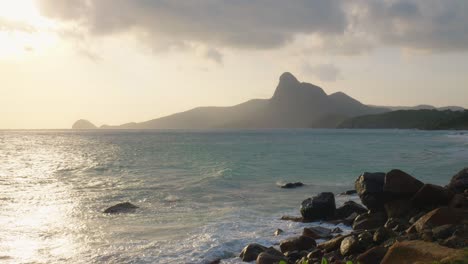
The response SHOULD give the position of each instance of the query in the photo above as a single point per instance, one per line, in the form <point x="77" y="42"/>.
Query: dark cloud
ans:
<point x="344" y="26"/>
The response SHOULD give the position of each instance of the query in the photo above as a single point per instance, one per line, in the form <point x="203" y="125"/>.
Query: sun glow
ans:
<point x="23" y="30"/>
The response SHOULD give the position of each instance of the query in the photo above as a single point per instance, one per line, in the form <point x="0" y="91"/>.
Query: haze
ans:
<point x="119" y="61"/>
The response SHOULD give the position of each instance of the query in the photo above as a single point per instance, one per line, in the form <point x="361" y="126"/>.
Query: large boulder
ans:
<point x="459" y="182"/>
<point x="320" y="207"/>
<point x="121" y="208"/>
<point x="421" y="252"/>
<point x="251" y="252"/>
<point x="437" y="217"/>
<point x="369" y="221"/>
<point x="270" y="256"/>
<point x="397" y="208"/>
<point x="349" y="208"/>
<point x="350" y="245"/>
<point x="399" y="184"/>
<point x="332" y="244"/>
<point x="372" y="256"/>
<point x="297" y="243"/>
<point x="369" y="187"/>
<point x="432" y="195"/>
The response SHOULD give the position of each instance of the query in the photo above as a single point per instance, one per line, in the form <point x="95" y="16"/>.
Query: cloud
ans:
<point x="214" y="55"/>
<point x="325" y="72"/>
<point x="11" y="25"/>
<point x="341" y="26"/>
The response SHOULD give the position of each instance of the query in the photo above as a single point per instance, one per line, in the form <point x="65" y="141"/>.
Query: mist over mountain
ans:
<point x="294" y="104"/>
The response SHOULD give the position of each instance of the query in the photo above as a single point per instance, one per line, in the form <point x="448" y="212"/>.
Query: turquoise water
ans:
<point x="203" y="194"/>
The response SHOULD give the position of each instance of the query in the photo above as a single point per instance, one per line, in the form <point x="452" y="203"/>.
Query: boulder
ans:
<point x="443" y="231"/>
<point x="317" y="232"/>
<point x="349" y="192"/>
<point x="270" y="256"/>
<point x="396" y="224"/>
<point x="320" y="207"/>
<point x="437" y="217"/>
<point x="458" y="201"/>
<point x="350" y="246"/>
<point x="398" y="184"/>
<point x="291" y="185"/>
<point x="420" y="251"/>
<point x="369" y="221"/>
<point x="297" y="243"/>
<point x="348" y="208"/>
<point x="251" y="252"/>
<point x="459" y="182"/>
<point x="278" y="232"/>
<point x="369" y="187"/>
<point x="397" y="208"/>
<point x="382" y="234"/>
<point x="121" y="208"/>
<point x="372" y="256"/>
<point x="432" y="195"/>
<point x="292" y="218"/>
<point x="332" y="244"/>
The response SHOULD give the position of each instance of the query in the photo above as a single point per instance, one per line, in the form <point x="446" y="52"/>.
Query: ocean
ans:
<point x="203" y="195"/>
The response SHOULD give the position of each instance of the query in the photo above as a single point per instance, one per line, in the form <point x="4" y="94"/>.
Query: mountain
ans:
<point x="411" y="119"/>
<point x="83" y="124"/>
<point x="294" y="105"/>
<point x="425" y="107"/>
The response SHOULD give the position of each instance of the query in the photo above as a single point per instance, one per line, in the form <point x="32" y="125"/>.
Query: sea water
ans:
<point x="203" y="195"/>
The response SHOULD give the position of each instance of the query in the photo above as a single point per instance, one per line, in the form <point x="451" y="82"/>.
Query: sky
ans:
<point x="119" y="61"/>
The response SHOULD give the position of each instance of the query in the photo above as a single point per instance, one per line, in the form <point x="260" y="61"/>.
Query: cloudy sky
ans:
<point x="116" y="61"/>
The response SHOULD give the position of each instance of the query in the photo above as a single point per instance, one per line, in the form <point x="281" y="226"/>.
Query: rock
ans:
<point x="350" y="219"/>
<point x="348" y="208"/>
<point x="458" y="201"/>
<point x="270" y="258"/>
<point x="365" y="239"/>
<point x="455" y="241"/>
<point x="420" y="251"/>
<point x="316" y="253"/>
<point x="398" y="184"/>
<point x="251" y="252"/>
<point x="297" y="243"/>
<point x="317" y="232"/>
<point x="372" y="256"/>
<point x="459" y="182"/>
<point x="397" y="208"/>
<point x="396" y="224"/>
<point x="382" y="234"/>
<point x="320" y="207"/>
<point x="432" y="195"/>
<point x="121" y="208"/>
<point x="278" y="232"/>
<point x="350" y="245"/>
<point x="437" y="217"/>
<point x="216" y="261"/>
<point x="349" y="192"/>
<point x="443" y="231"/>
<point x="337" y="230"/>
<point x="369" y="187"/>
<point x="292" y="218"/>
<point x="291" y="185"/>
<point x="332" y="244"/>
<point x="293" y="256"/>
<point x="369" y="221"/>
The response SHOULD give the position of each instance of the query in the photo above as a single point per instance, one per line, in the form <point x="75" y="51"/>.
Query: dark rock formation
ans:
<point x="398" y="184"/>
<point x="320" y="207"/>
<point x="317" y="232"/>
<point x="437" y="217"/>
<point x="432" y="195"/>
<point x="270" y="256"/>
<point x="83" y="124"/>
<point x="369" y="221"/>
<point x="348" y="208"/>
<point x="297" y="243"/>
<point x="121" y="208"/>
<point x="372" y="256"/>
<point x="459" y="182"/>
<point x="369" y="187"/>
<point x="251" y="252"/>
<point x="292" y="185"/>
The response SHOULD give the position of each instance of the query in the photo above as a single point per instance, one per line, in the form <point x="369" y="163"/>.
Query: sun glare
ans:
<point x="22" y="29"/>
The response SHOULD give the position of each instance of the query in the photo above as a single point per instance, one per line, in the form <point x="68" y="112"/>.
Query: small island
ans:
<point x="83" y="124"/>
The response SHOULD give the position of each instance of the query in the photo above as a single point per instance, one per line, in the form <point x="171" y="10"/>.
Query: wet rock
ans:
<point x="369" y="187"/>
<point x="121" y="208"/>
<point x="348" y="208"/>
<point x="315" y="254"/>
<point x="292" y="185"/>
<point x="317" y="232"/>
<point x="416" y="217"/>
<point x="350" y="245"/>
<point x="421" y="252"/>
<point x="270" y="257"/>
<point x="398" y="184"/>
<point x="216" y="261"/>
<point x="396" y="224"/>
<point x="443" y="231"/>
<point x="332" y="244"/>
<point x="372" y="256"/>
<point x="293" y="256"/>
<point x="251" y="252"/>
<point x="320" y="207"/>
<point x="369" y="221"/>
<point x="455" y="241"/>
<point x="350" y="219"/>
<point x="278" y="232"/>
<point x="432" y="195"/>
<point x="437" y="217"/>
<point x="349" y="192"/>
<point x="292" y="218"/>
<point x="397" y="208"/>
<point x="458" y="201"/>
<point x="365" y="239"/>
<point x="298" y="244"/>
<point x="459" y="182"/>
<point x="337" y="230"/>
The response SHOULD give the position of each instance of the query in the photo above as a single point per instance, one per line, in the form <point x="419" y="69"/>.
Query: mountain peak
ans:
<point x="287" y="77"/>
<point x="83" y="124"/>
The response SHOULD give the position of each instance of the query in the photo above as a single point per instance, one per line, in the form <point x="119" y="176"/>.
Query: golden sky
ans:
<point x="118" y="61"/>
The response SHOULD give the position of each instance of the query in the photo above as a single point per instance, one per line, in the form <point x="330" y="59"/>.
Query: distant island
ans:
<point x="412" y="119"/>
<point x="294" y="104"/>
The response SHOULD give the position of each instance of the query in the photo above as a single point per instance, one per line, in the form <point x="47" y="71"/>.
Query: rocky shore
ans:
<point x="403" y="220"/>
